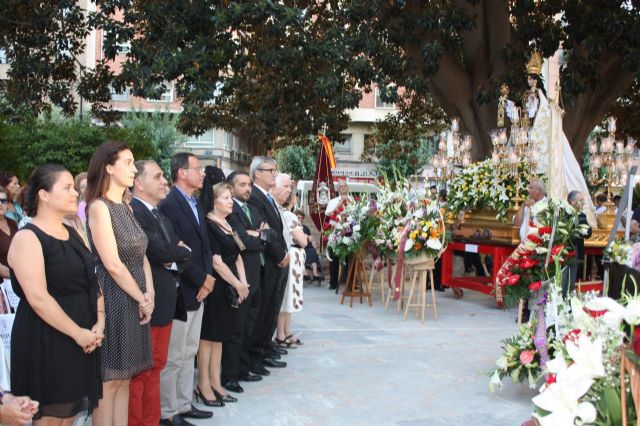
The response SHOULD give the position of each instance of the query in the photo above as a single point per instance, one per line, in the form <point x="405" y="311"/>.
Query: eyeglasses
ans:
<point x="197" y="169"/>
<point x="4" y="201"/>
<point x="272" y="171"/>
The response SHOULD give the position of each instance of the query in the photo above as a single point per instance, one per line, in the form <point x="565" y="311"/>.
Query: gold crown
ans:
<point x="534" y="66"/>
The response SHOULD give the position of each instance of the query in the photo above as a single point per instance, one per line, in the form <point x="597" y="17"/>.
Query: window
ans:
<point x="343" y="147"/>
<point x="3" y="56"/>
<point x="228" y="141"/>
<point x="123" y="47"/>
<point x="380" y="104"/>
<point x="118" y="97"/>
<point x="167" y="96"/>
<point x="204" y="140"/>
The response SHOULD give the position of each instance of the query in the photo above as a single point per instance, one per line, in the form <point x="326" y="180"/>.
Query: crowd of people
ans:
<point x="124" y="280"/>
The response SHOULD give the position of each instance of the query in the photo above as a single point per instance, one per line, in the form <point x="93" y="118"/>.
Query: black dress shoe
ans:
<point x="177" y="421"/>
<point x="232" y="386"/>
<point x="260" y="370"/>
<point x="279" y="351"/>
<point x="194" y="413"/>
<point x="251" y="378"/>
<point x="275" y="356"/>
<point x="268" y="362"/>
<point x="438" y="288"/>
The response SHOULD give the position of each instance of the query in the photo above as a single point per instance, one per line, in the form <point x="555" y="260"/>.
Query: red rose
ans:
<point x="535" y="285"/>
<point x="544" y="230"/>
<point x="528" y="263"/>
<point x="571" y="253"/>
<point x="534" y="239"/>
<point x="551" y="378"/>
<point x="326" y="226"/>
<point x="556" y="250"/>
<point x="635" y="341"/>
<point x="513" y="279"/>
<point x="572" y="335"/>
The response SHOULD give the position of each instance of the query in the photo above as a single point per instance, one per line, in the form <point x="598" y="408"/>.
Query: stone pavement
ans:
<point x="365" y="366"/>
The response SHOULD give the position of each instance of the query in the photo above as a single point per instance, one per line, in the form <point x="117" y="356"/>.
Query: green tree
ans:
<point x="163" y="130"/>
<point x="32" y="141"/>
<point x="298" y="161"/>
<point x="281" y="70"/>
<point x="405" y="141"/>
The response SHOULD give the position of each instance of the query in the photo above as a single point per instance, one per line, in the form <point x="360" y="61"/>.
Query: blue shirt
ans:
<point x="193" y="203"/>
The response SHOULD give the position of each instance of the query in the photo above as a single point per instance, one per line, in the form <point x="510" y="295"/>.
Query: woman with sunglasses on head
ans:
<point x="13" y="209"/>
<point x="8" y="229"/>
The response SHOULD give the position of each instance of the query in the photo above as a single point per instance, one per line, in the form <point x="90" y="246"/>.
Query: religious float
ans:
<point x="527" y="144"/>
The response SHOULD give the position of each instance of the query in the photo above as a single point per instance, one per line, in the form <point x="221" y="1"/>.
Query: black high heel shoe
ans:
<point x="208" y="402"/>
<point x="223" y="399"/>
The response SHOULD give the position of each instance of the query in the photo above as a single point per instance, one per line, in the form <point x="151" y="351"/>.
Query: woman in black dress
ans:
<point x="124" y="275"/>
<point x="219" y="314"/>
<point x="60" y="321"/>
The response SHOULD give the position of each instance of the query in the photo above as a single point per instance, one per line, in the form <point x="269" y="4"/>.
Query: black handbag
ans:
<point x="233" y="296"/>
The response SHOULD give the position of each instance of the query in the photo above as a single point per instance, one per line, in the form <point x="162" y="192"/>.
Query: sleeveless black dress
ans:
<point x="46" y="364"/>
<point x="219" y="317"/>
<point x="127" y="344"/>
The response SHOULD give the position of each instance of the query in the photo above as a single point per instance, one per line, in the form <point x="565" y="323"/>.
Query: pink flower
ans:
<point x="526" y="357"/>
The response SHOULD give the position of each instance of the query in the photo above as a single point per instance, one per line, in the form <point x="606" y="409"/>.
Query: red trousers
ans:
<point x="144" y="390"/>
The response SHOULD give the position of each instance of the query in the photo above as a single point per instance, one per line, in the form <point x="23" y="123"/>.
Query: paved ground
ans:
<point x="365" y="366"/>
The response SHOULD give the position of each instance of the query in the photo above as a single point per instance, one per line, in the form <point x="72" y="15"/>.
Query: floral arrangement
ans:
<point x="391" y="209"/>
<point x="620" y="251"/>
<point x="350" y="225"/>
<point x="520" y="360"/>
<point x="425" y="230"/>
<point x="543" y="251"/>
<point x="583" y="378"/>
<point x="483" y="186"/>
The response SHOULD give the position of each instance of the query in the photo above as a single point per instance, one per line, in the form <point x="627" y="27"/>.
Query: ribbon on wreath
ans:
<point x="540" y="337"/>
<point x="400" y="263"/>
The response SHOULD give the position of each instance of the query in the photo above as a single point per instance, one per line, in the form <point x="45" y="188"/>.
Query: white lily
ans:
<point x="587" y="356"/>
<point x="495" y="382"/>
<point x="561" y="399"/>
<point x="632" y="312"/>
<point x="615" y="311"/>
<point x="408" y="245"/>
<point x="434" y="243"/>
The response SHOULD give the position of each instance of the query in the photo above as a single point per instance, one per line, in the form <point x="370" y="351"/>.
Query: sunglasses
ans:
<point x="4" y="201"/>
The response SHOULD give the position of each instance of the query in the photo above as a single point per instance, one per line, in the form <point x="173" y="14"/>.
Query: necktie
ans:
<point x="273" y="203"/>
<point x="245" y="209"/>
<point x="165" y="231"/>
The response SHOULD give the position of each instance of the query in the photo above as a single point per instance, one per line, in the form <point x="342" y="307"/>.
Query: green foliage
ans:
<point x="281" y="70"/>
<point x="71" y="142"/>
<point x="298" y="161"/>
<point x="162" y="128"/>
<point x="405" y="142"/>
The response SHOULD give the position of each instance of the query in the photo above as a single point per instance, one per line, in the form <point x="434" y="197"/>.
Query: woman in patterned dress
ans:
<point x="296" y="241"/>
<point x="124" y="275"/>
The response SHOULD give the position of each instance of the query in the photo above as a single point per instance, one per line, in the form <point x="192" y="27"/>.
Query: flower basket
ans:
<point x="422" y="259"/>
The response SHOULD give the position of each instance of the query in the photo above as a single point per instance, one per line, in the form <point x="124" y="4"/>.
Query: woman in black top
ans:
<point x="59" y="322"/>
<point x="220" y="310"/>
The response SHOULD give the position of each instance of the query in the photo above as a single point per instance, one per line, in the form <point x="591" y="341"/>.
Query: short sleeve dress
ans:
<point x="219" y="317"/>
<point x="47" y="365"/>
<point x="293" y="299"/>
<point x="127" y="344"/>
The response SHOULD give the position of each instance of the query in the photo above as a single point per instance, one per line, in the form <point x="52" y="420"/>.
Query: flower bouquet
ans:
<point x="544" y="250"/>
<point x="391" y="209"/>
<point x="349" y="227"/>
<point x="520" y="359"/>
<point x="425" y="231"/>
<point x="482" y="186"/>
<point x="620" y="251"/>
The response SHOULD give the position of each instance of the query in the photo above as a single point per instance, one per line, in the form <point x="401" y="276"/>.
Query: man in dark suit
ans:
<point x="244" y="220"/>
<point x="186" y="215"/>
<point x="167" y="257"/>
<point x="263" y="172"/>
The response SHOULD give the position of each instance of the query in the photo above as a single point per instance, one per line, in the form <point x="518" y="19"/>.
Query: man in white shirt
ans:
<point x="342" y="198"/>
<point x="537" y="193"/>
